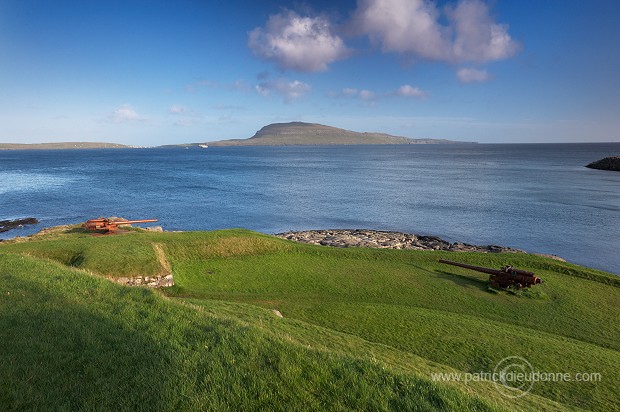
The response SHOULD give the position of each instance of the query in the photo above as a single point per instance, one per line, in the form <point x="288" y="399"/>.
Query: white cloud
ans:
<point x="288" y="90"/>
<point x="478" y="38"/>
<point x="126" y="113"/>
<point x="349" y="92"/>
<point x="470" y="75"/>
<point x="363" y="94"/>
<point x="404" y="26"/>
<point x="304" y="44"/>
<point x="241" y="85"/>
<point x="414" y="28"/>
<point x="370" y="96"/>
<point x="177" y="109"/>
<point x="410" y="91"/>
<point x="366" y="95"/>
<point x="184" y="122"/>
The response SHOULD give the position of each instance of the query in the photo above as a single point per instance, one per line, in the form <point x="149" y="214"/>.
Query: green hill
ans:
<point x="362" y="329"/>
<point x="299" y="133"/>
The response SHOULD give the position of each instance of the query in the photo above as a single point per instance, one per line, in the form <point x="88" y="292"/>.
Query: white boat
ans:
<point x="204" y="146"/>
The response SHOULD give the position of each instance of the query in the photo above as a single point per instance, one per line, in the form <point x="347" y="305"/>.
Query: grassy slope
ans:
<point x="75" y="342"/>
<point x="400" y="309"/>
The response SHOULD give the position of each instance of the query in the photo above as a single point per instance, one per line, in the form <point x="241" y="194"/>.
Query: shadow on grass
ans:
<point x="460" y="280"/>
<point x="66" y="356"/>
<point x="463" y="280"/>
<point x="78" y="229"/>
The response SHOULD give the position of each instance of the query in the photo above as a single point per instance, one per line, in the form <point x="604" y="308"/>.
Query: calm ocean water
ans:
<point x="534" y="197"/>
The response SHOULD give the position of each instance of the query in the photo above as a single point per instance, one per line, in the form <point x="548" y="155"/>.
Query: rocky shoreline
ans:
<point x="344" y="238"/>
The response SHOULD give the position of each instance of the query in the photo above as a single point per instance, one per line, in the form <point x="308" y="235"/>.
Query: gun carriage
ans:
<point x="111" y="225"/>
<point x="503" y="278"/>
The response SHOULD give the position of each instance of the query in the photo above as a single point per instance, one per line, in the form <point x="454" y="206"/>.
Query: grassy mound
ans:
<point x="362" y="328"/>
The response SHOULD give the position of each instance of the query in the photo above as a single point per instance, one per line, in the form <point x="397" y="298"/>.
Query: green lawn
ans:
<point x="362" y="328"/>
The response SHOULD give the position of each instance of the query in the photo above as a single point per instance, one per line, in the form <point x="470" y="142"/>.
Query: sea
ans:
<point x="535" y="197"/>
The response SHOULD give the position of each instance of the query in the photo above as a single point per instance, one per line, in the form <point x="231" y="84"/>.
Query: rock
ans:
<point x="165" y="282"/>
<point x="277" y="313"/>
<point x="608" y="163"/>
<point x="6" y="225"/>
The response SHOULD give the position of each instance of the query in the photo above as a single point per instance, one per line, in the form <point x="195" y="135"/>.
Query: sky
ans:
<point x="147" y="73"/>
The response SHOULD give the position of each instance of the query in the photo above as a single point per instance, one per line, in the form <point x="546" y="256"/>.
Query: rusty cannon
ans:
<point x="505" y="277"/>
<point x="111" y="225"/>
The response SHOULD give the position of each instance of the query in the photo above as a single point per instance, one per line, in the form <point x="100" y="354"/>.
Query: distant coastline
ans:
<point x="275" y="134"/>
<point x="62" y="146"/>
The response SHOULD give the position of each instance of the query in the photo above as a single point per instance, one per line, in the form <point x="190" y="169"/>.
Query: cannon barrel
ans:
<point x="477" y="268"/>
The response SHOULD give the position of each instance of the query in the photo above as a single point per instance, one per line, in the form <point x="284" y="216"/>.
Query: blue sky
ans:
<point x="151" y="73"/>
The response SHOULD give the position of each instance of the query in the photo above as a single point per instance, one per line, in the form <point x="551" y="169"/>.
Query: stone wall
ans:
<point x="162" y="281"/>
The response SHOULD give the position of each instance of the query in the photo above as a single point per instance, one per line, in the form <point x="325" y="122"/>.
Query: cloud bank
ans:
<point x="414" y="28"/>
<point x="462" y="33"/>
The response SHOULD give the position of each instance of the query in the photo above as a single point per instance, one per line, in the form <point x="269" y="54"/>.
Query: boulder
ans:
<point x="608" y="163"/>
<point x="6" y="225"/>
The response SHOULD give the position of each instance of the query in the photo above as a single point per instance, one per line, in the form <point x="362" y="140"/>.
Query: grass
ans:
<point x="356" y="321"/>
<point x="76" y="342"/>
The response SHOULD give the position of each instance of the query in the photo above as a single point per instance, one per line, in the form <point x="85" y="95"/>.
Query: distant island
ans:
<point x="300" y="133"/>
<point x="61" y="145"/>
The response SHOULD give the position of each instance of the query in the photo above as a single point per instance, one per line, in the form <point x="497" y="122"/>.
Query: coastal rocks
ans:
<point x="6" y="225"/>
<point x="385" y="240"/>
<point x="162" y="281"/>
<point x="608" y="163"/>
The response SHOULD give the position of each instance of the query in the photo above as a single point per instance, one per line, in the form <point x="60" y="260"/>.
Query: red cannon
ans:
<point x="505" y="277"/>
<point x="110" y="225"/>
